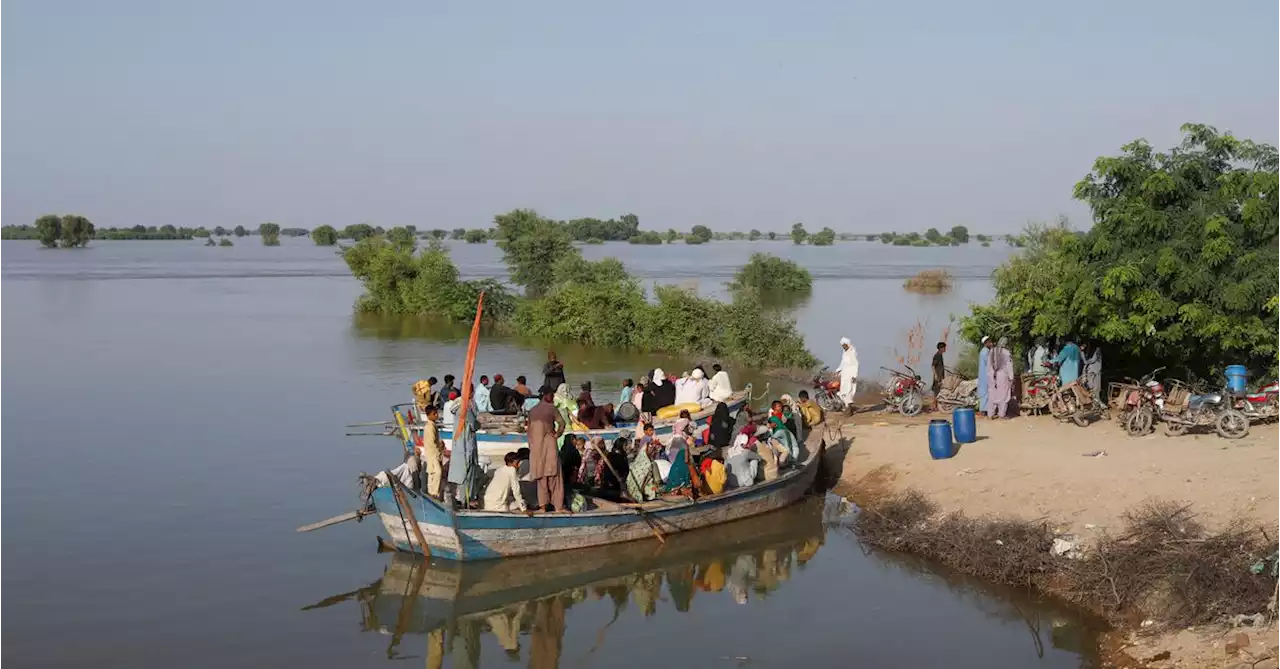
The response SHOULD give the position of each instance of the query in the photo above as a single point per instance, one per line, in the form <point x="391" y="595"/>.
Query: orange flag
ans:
<point x="469" y="369"/>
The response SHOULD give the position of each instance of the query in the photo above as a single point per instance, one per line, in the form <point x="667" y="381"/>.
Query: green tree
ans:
<point x="402" y="238"/>
<point x="357" y="231"/>
<point x="872" y="238"/>
<point x="531" y="247"/>
<point x="477" y="236"/>
<point x="438" y="233"/>
<point x="700" y="234"/>
<point x="240" y="231"/>
<point x="932" y="235"/>
<point x="200" y="232"/>
<point x="169" y="231"/>
<point x="76" y="231"/>
<point x="324" y="235"/>
<point x="270" y="233"/>
<point x="753" y="235"/>
<point x="798" y="233"/>
<point x="458" y="233"/>
<point x="982" y="238"/>
<point x="1179" y="269"/>
<point x="225" y="242"/>
<point x="824" y="237"/>
<point x="49" y="230"/>
<point x="646" y="237"/>
<point x="672" y="235"/>
<point x="773" y="236"/>
<point x="960" y="234"/>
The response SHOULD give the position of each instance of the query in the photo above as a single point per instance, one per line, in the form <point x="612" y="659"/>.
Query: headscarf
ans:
<point x="721" y="427"/>
<point x="680" y="427"/>
<point x="997" y="360"/>
<point x="659" y="376"/>
<point x="845" y="341"/>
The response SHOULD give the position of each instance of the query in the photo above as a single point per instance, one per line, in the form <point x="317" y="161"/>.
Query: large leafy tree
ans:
<point x="824" y="237"/>
<point x="324" y="235"/>
<point x="270" y="233"/>
<point x="49" y="230"/>
<point x="798" y="233"/>
<point x="959" y="233"/>
<point x="1179" y="269"/>
<point x="699" y="234"/>
<point x="402" y="238"/>
<point x="532" y="246"/>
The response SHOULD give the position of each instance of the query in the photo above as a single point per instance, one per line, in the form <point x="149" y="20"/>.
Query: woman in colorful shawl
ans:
<point x="679" y="476"/>
<point x="642" y="477"/>
<point x="565" y="402"/>
<point x="999" y="380"/>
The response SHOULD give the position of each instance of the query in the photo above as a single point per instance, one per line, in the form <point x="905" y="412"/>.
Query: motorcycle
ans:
<point x="1142" y="403"/>
<point x="1183" y="410"/>
<point x="1262" y="405"/>
<point x="826" y="391"/>
<point x="1036" y="390"/>
<point x="904" y="391"/>
<point x="1073" y="401"/>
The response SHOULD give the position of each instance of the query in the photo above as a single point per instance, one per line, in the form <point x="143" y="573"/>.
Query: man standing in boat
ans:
<point x="545" y="427"/>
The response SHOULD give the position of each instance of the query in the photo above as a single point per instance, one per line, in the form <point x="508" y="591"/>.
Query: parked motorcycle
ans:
<point x="1183" y="410"/>
<point x="1073" y="401"/>
<point x="1260" y="406"/>
<point x="1141" y="403"/>
<point x="904" y="391"/>
<point x="826" y="391"/>
<point x="1036" y="391"/>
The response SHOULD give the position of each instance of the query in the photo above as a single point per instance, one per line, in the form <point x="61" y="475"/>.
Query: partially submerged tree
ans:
<point x="270" y="233"/>
<point x="798" y="233"/>
<point x="824" y="237"/>
<point x="324" y="235"/>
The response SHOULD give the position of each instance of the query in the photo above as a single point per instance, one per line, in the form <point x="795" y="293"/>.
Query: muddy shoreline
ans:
<point x="1025" y="478"/>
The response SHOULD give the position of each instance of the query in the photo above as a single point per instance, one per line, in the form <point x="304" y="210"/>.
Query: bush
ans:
<point x="646" y="237"/>
<point x="824" y="237"/>
<point x="798" y="233"/>
<point x="402" y="238"/>
<point x="700" y="234"/>
<point x="959" y="233"/>
<point x="531" y="247"/>
<point x="768" y="273"/>
<point x="225" y="242"/>
<point x="929" y="281"/>
<point x="324" y="235"/>
<point x="357" y="231"/>
<point x="476" y="236"/>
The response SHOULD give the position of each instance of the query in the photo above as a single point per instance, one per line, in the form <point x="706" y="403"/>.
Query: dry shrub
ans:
<point x="1165" y="566"/>
<point x="930" y="281"/>
<point x="999" y="550"/>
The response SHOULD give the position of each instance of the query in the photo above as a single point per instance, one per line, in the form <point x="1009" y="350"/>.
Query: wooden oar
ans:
<point x="350" y="515"/>
<point x="403" y="500"/>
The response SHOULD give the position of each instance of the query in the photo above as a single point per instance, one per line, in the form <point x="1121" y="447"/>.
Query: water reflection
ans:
<point x="519" y="610"/>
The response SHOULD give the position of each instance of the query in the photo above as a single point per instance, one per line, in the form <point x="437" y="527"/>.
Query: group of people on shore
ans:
<point x="1064" y="358"/>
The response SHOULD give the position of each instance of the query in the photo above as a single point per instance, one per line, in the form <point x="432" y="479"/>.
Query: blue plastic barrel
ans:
<point x="966" y="425"/>
<point x="1237" y="378"/>
<point x="940" y="439"/>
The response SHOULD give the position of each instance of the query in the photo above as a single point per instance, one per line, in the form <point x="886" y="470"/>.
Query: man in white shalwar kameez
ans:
<point x="848" y="371"/>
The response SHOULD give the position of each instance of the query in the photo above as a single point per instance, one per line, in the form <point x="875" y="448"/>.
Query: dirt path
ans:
<point x="1036" y="467"/>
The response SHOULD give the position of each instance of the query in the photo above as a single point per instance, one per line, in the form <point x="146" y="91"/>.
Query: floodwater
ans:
<point x="174" y="411"/>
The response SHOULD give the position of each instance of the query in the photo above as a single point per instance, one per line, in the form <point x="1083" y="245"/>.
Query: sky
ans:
<point x="861" y="116"/>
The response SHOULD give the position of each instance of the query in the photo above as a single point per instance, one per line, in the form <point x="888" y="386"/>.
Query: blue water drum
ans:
<point x="940" y="446"/>
<point x="966" y="425"/>
<point x="1237" y="378"/>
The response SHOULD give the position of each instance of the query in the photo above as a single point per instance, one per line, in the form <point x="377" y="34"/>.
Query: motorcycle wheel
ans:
<point x="1175" y="429"/>
<point x="1079" y="418"/>
<point x="831" y="403"/>
<point x="1138" y="423"/>
<point x="1232" y="424"/>
<point x="1058" y="406"/>
<point x="911" y="404"/>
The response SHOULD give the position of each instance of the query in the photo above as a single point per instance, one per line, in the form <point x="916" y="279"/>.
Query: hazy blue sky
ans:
<point x="861" y="116"/>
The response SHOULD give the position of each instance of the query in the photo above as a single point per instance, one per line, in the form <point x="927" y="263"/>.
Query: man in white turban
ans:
<point x="848" y="371"/>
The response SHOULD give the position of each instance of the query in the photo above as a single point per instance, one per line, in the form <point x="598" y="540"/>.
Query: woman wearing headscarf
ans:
<point x="659" y="393"/>
<point x="848" y="371"/>
<point x="564" y="402"/>
<point x="643" y="480"/>
<point x="1000" y="379"/>
<point x="1093" y="371"/>
<point x="720" y="430"/>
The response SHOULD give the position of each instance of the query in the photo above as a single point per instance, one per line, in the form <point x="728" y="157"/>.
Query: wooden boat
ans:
<point x="482" y="535"/>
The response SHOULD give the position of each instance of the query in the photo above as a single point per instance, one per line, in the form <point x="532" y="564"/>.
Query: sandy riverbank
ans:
<point x="1034" y="468"/>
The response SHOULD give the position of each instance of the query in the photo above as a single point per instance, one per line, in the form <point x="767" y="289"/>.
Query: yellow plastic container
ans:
<point x="674" y="410"/>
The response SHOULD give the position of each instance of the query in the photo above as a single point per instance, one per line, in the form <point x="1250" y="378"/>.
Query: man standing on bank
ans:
<point x="939" y="372"/>
<point x="545" y="428"/>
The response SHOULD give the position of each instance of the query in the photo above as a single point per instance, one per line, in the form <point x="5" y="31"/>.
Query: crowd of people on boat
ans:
<point x="564" y="465"/>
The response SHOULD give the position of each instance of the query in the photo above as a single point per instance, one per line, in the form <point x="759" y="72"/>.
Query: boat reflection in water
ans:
<point x="455" y="603"/>
<point x="846" y="607"/>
